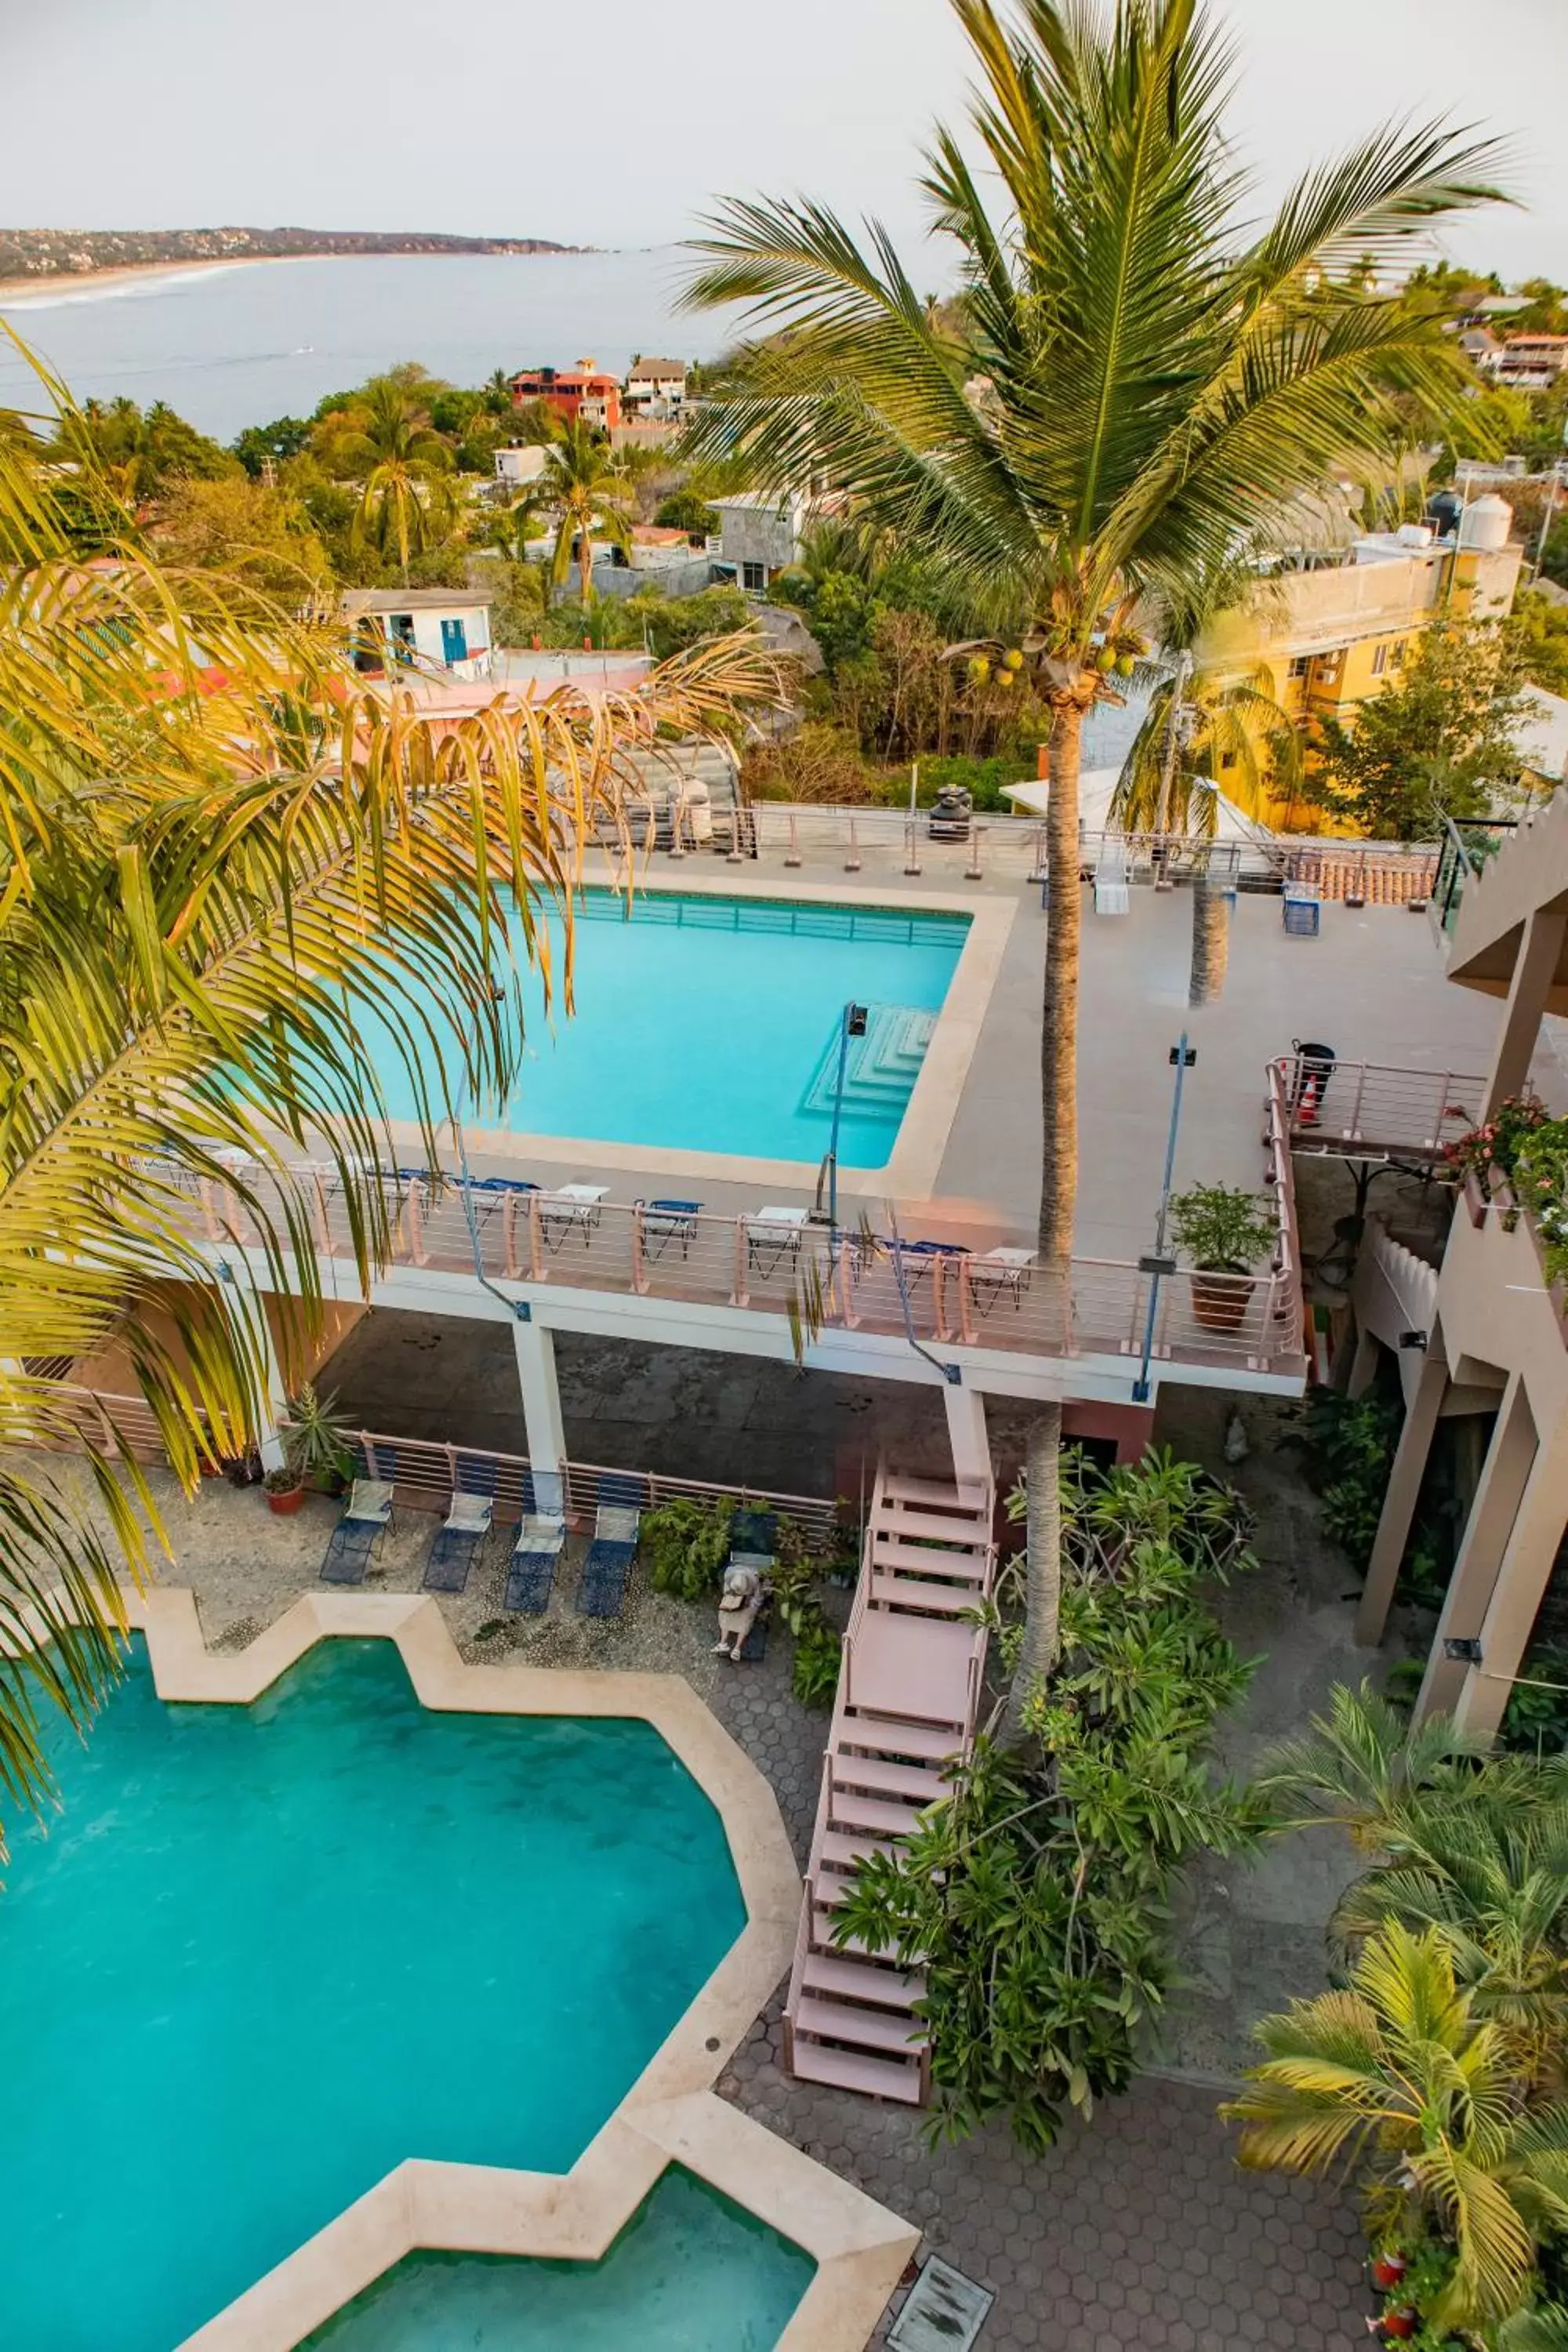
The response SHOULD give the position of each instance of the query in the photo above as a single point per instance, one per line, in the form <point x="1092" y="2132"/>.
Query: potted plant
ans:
<point x="1224" y="1230"/>
<point x="316" y="1451"/>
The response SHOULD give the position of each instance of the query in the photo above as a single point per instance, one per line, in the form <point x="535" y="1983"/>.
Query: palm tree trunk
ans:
<point x="1058" y="1193"/>
<point x="1211" y="942"/>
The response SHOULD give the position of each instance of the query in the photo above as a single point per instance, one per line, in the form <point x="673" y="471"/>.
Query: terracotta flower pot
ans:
<point x="1220" y="1296"/>
<point x="287" y="1502"/>
<point x="1400" y="2324"/>
<point x="1387" y="2269"/>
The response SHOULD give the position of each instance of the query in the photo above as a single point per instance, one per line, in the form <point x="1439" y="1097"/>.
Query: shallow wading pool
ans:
<point x="263" y="1953"/>
<point x="709" y="1024"/>
<point x="689" y="2272"/>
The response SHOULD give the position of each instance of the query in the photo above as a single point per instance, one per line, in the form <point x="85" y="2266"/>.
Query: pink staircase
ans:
<point x="908" y="1692"/>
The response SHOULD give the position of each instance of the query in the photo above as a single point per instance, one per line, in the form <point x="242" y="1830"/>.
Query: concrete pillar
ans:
<point x="1521" y="1579"/>
<point x="275" y="1402"/>
<point x="966" y="1433"/>
<point x="1504" y="1477"/>
<point x="1403" y="1485"/>
<point x="535" y="1348"/>
<point x="1535" y="969"/>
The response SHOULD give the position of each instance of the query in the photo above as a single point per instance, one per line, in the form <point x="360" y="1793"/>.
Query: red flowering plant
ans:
<point x="1498" y="1144"/>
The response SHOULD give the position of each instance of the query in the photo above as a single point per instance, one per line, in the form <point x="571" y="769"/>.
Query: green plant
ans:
<point x="316" y="1445"/>
<point x="1535" y="1720"/>
<point x="1038" y="1894"/>
<point x="1497" y="1145"/>
<point x="685" y="1542"/>
<point x="1223" y="1227"/>
<point x="1541" y="1184"/>
<point x="1351" y="1442"/>
<point x="813" y="1672"/>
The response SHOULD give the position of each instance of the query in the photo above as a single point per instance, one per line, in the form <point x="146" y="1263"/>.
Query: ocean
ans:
<point x="240" y="344"/>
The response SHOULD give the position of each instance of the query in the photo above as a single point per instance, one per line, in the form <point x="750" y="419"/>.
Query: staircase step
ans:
<point x="823" y="1922"/>
<point x="849" y="1810"/>
<point x="855" y="2070"/>
<point x="836" y="1974"/>
<point x="868" y="2028"/>
<point x="834" y="1850"/>
<point x="916" y="1782"/>
<point x="934" y="1493"/>
<point x="889" y="1592"/>
<point x="889" y="1737"/>
<point x="926" y="1524"/>
<point x="964" y="1567"/>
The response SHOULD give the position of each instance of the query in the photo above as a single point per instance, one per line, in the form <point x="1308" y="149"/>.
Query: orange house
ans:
<point x="585" y="392"/>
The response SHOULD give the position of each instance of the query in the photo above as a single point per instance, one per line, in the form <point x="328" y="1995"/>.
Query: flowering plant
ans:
<point x="1540" y="1182"/>
<point x="1498" y="1144"/>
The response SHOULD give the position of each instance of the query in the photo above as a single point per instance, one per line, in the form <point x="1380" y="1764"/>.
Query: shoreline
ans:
<point x="16" y="293"/>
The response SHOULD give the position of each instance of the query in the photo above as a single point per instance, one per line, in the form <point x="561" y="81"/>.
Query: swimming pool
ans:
<point x="263" y="1953"/>
<point x="689" y="2272"/>
<point x="711" y="1024"/>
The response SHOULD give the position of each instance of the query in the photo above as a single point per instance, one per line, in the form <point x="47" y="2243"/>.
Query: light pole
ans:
<point x="1157" y="1264"/>
<point x="852" y="1023"/>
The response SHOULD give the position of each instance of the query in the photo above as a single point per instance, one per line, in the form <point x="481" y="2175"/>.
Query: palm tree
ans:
<point x="1134" y="388"/>
<point x="406" y="503"/>
<point x="212" y="838"/>
<point x="586" y="490"/>
<point x="1212" y="722"/>
<point x="1400" y="2075"/>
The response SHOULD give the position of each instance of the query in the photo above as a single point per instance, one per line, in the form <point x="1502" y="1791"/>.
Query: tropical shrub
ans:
<point x="1541" y="1186"/>
<point x="686" y="1543"/>
<point x="1037" y="1895"/>
<point x="1495" y="1145"/>
<point x="814" y="1672"/>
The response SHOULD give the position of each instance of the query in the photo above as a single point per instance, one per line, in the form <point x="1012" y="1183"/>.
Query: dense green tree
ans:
<point x="285" y="437"/>
<point x="1439" y="743"/>
<point x="138" y="453"/>
<point x="686" y="510"/>
<point x="237" y="528"/>
<point x="583" y="490"/>
<point x="1139" y="381"/>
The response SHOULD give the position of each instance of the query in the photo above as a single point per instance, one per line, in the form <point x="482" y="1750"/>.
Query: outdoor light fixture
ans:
<point x="1416" y="1340"/>
<point x="1463" y="1653"/>
<point x="855" y="1020"/>
<point x="852" y="1024"/>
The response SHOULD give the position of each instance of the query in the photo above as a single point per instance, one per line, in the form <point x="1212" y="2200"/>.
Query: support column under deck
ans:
<point x="1534" y="970"/>
<point x="1521" y="1579"/>
<point x="1404" y="1477"/>
<point x="1487" y="1533"/>
<point x="535" y="1348"/>
<point x="966" y="1434"/>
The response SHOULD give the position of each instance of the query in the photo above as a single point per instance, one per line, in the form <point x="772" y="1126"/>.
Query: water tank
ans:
<point x="1485" y="524"/>
<point x="1414" y="534"/>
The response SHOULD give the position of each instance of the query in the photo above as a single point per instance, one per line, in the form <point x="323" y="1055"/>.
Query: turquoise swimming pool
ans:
<point x="711" y="1024"/>
<point x="689" y="2272"/>
<point x="263" y="1953"/>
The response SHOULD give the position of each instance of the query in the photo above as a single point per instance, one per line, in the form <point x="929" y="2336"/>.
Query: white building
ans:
<point x="759" y="536"/>
<point x="445" y="629"/>
<point x="655" y="388"/>
<point x="520" y="464"/>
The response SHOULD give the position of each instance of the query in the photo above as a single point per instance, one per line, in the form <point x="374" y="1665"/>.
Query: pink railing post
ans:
<point x="792" y="856"/>
<point x="640" y="1282"/>
<point x="416" y="1249"/>
<point x="1353" y="1129"/>
<point x="739" y="1294"/>
<point x="965" y="1304"/>
<point x="852" y="863"/>
<point x="209" y="1216"/>
<point x="535" y="1240"/>
<point x="846" y="1288"/>
<point x="323" y="1223"/>
<point x="939" y="1297"/>
<point x="971" y="872"/>
<point x="508" y="1237"/>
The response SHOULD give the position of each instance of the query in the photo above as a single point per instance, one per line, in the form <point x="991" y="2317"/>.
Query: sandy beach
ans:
<point x="22" y="293"/>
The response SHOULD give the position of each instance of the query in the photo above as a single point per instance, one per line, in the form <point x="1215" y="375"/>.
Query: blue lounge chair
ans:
<point x="456" y="1544"/>
<point x="669" y="1225"/>
<point x="531" y="1574"/>
<point x="357" y="1536"/>
<point x="609" y="1560"/>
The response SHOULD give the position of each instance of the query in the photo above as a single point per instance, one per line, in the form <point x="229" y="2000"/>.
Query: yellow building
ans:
<point x="1323" y="638"/>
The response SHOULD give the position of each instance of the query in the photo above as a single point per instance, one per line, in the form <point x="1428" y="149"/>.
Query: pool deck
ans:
<point x="669" y="2115"/>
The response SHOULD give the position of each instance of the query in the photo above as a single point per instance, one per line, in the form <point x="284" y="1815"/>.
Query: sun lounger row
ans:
<point x="537" y="1547"/>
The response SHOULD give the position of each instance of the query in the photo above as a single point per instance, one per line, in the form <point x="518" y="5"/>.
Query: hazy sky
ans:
<point x="611" y="122"/>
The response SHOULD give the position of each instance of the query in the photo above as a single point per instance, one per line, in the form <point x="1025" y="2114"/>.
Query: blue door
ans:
<point x="454" y="643"/>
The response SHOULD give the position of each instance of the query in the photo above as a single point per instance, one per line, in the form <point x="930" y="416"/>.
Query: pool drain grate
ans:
<point x="944" y="2312"/>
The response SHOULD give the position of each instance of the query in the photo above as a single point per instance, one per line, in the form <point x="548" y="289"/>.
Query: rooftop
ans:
<point x="413" y="600"/>
<point x="649" y="370"/>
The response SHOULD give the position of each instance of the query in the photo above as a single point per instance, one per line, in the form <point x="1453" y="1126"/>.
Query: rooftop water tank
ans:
<point x="1485" y="524"/>
<point x="1414" y="534"/>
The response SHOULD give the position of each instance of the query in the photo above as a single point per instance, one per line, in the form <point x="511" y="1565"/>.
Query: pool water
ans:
<point x="263" y="1953"/>
<point x="711" y="1024"/>
<point x="689" y="2272"/>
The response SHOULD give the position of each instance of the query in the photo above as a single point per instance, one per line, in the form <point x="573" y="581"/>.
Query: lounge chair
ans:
<point x="455" y="1545"/>
<point x="532" y="1572"/>
<point x="357" y="1536"/>
<point x="609" y="1560"/>
<point x="1000" y="1273"/>
<point x="569" y="1209"/>
<point x="666" y="1224"/>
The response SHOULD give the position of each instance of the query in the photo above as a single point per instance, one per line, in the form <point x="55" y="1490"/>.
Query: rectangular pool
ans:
<point x="711" y="1023"/>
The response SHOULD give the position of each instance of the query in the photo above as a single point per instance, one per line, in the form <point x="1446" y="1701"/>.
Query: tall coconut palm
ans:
<point x="1398" y="2077"/>
<point x="213" y="841"/>
<point x="586" y="490"/>
<point x="406" y="502"/>
<point x="1134" y="387"/>
<point x="1215" y="724"/>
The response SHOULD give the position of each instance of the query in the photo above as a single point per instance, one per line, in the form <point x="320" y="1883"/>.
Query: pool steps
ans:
<point x="908" y="1693"/>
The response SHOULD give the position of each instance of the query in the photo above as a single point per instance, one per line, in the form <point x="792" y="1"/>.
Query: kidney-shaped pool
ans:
<point x="263" y="1953"/>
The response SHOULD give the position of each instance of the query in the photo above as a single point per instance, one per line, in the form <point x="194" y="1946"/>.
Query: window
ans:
<point x="1398" y="654"/>
<point x="1228" y="758"/>
<point x="1379" y="660"/>
<point x="754" y="578"/>
<point x="1300" y="665"/>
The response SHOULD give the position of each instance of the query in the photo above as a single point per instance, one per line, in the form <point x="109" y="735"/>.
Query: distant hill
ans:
<point x="74" y="252"/>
